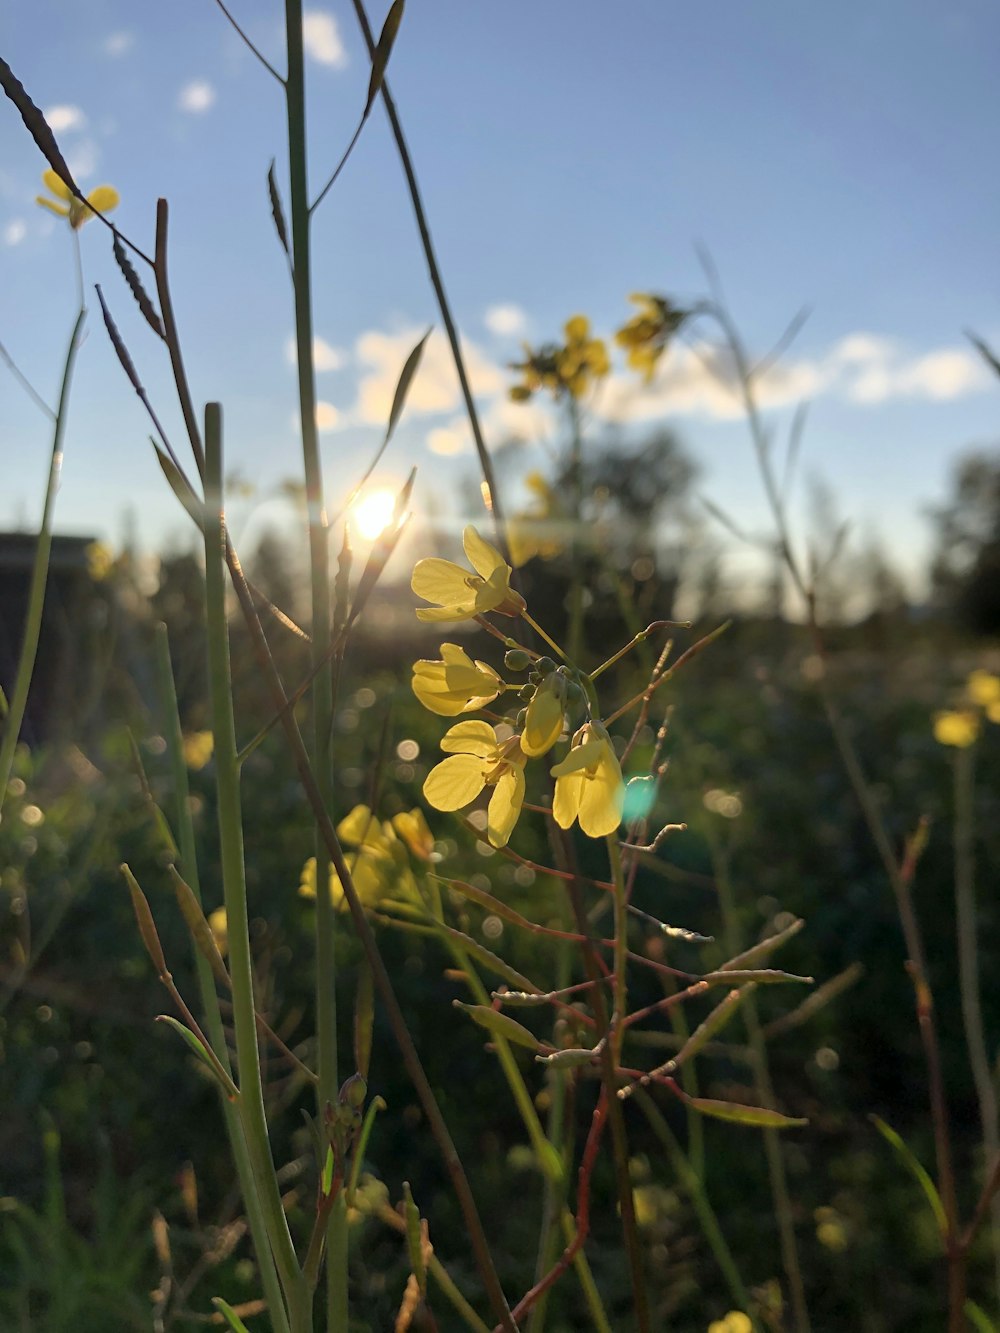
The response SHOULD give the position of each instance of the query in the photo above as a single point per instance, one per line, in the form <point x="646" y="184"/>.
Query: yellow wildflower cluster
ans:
<point x="563" y="368"/>
<point x="380" y="865"/>
<point x="588" y="782"/>
<point x="960" y="727"/>
<point x="536" y="530"/>
<point x="646" y="335"/>
<point x="66" y="205"/>
<point x="734" y="1322"/>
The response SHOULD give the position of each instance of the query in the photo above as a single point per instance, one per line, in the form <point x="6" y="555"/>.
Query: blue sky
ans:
<point x="570" y="152"/>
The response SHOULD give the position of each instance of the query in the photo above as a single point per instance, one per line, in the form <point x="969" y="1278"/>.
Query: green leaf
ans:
<point x="226" y="1083"/>
<point x="977" y="1316"/>
<point x="180" y="485"/>
<point x="500" y="1025"/>
<point x="231" y="1317"/>
<point x="380" y="56"/>
<point x="916" y="1169"/>
<point x="758" y="1117"/>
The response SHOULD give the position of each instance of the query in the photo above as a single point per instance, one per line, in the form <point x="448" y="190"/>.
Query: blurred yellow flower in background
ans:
<point x="218" y="923"/>
<point x="100" y="560"/>
<point x="646" y="335"/>
<point x="455" y="684"/>
<point x="378" y="867"/>
<point x="734" y="1322"/>
<point x="66" y="205"/>
<point x="567" y="368"/>
<point x="413" y="829"/>
<point x="460" y="594"/>
<point x="534" y="531"/>
<point x="197" y="747"/>
<point x="478" y="760"/>
<point x="960" y="726"/>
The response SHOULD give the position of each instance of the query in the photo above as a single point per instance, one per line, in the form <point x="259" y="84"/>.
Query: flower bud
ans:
<point x="544" y="666"/>
<point x="526" y="692"/>
<point x="516" y="659"/>
<point x="353" y="1092"/>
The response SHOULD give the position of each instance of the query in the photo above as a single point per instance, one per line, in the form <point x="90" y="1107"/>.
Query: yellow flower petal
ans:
<point x="576" y="328"/>
<point x="104" y="199"/>
<point x="471" y="737"/>
<point x="455" y="782"/>
<point x="484" y="558"/>
<point x="505" y="806"/>
<point x="442" y="581"/>
<point x="57" y="185"/>
<point x="456" y="684"/>
<point x="544" y="721"/>
<point x="589" y="785"/>
<point x="983" y="689"/>
<point x="412" y="828"/>
<point x="958" y="728"/>
<point x="59" y="209"/>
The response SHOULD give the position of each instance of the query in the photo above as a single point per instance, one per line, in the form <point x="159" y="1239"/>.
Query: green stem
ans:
<point x="575" y="635"/>
<point x="39" y="573"/>
<point x="550" y="1161"/>
<point x="765" y="1094"/>
<point x="692" y="1183"/>
<point x="542" y="635"/>
<point x="230" y="818"/>
<point x="319" y="561"/>
<point x="206" y="984"/>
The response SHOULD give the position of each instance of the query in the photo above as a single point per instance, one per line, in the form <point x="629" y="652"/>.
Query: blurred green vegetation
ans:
<point x="104" y="1110"/>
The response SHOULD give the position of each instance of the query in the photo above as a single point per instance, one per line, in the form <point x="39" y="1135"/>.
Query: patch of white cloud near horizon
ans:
<point x="15" y="231"/>
<point x="327" y="416"/>
<point x="196" y="97"/>
<point x="321" y="38"/>
<point x="435" y="386"/>
<point x="63" y="118"/>
<point x="454" y="437"/>
<point x="325" y="356"/>
<point x="505" y="320"/>
<point x="865" y="368"/>
<point x="117" y="43"/>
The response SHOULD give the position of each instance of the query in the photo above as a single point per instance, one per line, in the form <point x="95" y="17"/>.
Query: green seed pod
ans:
<point x="526" y="692"/>
<point x="516" y="660"/>
<point x="545" y="666"/>
<point x="520" y="720"/>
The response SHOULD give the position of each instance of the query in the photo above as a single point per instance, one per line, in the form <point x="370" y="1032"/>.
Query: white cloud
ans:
<point x="15" y="232"/>
<point x="455" y="437"/>
<point x="435" y="386"/>
<point x="62" y="118"/>
<point x="325" y="356"/>
<point x="327" y="416"/>
<point x="118" y="43"/>
<point x="505" y="421"/>
<point x="865" y="368"/>
<point x="505" y="320"/>
<point x="196" y="96"/>
<point x="321" y="38"/>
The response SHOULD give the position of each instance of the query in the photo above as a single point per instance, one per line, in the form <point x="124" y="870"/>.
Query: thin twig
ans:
<point x="249" y="44"/>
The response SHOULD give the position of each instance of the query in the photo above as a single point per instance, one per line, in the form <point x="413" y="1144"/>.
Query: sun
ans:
<point x="372" y="513"/>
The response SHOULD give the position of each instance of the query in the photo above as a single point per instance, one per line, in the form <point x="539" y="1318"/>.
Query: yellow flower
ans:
<point x="219" y="925"/>
<point x="412" y="828"/>
<point x="378" y="867"/>
<point x="544" y="721"/>
<point x="959" y="728"/>
<point x="566" y="368"/>
<point x="983" y="689"/>
<point x="583" y="358"/>
<point x="455" y="684"/>
<point x="532" y="532"/>
<point x="100" y="561"/>
<point x="66" y="205"/>
<point x="589" y="784"/>
<point x="197" y="747"/>
<point x="734" y="1322"/>
<point x="647" y="334"/>
<point x="477" y="760"/>
<point x="460" y="594"/>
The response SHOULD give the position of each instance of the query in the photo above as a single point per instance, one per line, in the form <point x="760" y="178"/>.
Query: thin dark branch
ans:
<point x="249" y="44"/>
